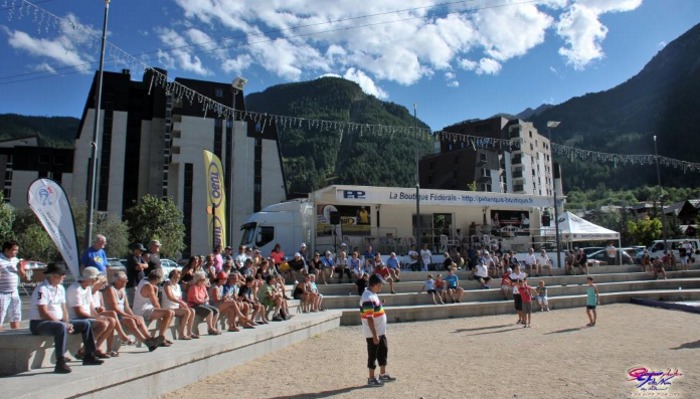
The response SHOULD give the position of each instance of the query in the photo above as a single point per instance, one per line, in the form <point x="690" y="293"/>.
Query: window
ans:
<point x="485" y="172"/>
<point x="265" y="235"/>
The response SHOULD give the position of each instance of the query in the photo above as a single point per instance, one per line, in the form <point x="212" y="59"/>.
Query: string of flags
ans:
<point x="47" y="23"/>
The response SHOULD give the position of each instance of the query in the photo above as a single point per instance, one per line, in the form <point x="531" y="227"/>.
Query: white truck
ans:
<point x="656" y="248"/>
<point x="287" y="223"/>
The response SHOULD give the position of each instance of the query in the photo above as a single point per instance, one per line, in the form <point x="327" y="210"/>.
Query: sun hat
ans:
<point x="89" y="273"/>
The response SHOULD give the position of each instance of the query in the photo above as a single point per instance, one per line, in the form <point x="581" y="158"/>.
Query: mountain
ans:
<point x="663" y="100"/>
<point x="528" y="112"/>
<point x="314" y="157"/>
<point x="53" y="131"/>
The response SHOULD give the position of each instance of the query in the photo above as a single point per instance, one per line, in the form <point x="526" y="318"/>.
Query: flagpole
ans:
<point x="92" y="175"/>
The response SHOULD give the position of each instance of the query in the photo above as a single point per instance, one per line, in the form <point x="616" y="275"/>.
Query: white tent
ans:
<point x="574" y="228"/>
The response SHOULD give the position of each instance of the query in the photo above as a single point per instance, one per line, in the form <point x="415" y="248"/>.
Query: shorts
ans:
<point x="486" y="279"/>
<point x="542" y="300"/>
<point x="147" y="314"/>
<point x="527" y="307"/>
<point x="518" y="300"/>
<point x="432" y="292"/>
<point x="11" y="305"/>
<point x="590" y="307"/>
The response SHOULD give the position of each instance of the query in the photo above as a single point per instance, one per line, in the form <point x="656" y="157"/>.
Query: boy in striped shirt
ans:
<point x="374" y="329"/>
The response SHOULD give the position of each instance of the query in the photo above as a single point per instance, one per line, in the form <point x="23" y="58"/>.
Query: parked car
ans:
<point x="589" y="250"/>
<point x="168" y="265"/>
<point x="602" y="257"/>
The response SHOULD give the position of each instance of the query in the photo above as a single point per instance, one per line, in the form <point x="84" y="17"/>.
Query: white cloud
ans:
<point x="179" y="55"/>
<point x="451" y="79"/>
<point x="72" y="47"/>
<point x="44" y="67"/>
<point x="581" y="29"/>
<point x="485" y="66"/>
<point x="366" y="83"/>
<point x="662" y="44"/>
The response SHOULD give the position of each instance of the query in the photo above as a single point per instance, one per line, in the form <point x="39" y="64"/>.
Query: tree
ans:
<point x="154" y="218"/>
<point x="645" y="230"/>
<point x="7" y="218"/>
<point x="116" y="231"/>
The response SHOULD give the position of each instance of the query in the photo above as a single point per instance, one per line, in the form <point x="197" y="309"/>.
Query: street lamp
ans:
<point x="92" y="174"/>
<point x="661" y="194"/>
<point x="237" y="86"/>
<point x="552" y="125"/>
<point x="415" y="131"/>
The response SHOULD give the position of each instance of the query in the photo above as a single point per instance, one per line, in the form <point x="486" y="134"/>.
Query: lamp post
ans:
<point x="661" y="194"/>
<point x="92" y="174"/>
<point x="552" y="125"/>
<point x="237" y="86"/>
<point x="418" y="226"/>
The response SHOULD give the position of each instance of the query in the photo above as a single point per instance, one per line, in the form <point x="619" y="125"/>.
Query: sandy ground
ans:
<point x="484" y="357"/>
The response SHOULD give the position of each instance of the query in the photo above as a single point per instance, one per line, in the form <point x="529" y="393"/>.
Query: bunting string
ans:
<point x="47" y="23"/>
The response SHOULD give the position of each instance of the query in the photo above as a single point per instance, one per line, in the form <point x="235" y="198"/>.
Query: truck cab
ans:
<point x="288" y="224"/>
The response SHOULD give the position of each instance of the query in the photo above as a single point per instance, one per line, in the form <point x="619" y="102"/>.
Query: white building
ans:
<point x="153" y="144"/>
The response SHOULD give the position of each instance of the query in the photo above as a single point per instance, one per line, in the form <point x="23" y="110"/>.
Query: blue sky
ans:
<point x="455" y="60"/>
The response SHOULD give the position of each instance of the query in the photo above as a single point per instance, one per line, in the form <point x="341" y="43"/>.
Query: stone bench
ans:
<point x="21" y="351"/>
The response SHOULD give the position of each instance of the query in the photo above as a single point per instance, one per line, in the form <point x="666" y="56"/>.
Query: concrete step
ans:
<point x="138" y="373"/>
<point x="413" y="286"/>
<point x="495" y="294"/>
<point x="471" y="309"/>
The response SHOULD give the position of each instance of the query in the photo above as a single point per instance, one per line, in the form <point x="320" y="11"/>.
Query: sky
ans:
<point x="455" y="60"/>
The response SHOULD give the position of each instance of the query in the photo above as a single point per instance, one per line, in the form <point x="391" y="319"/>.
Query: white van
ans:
<point x="656" y="248"/>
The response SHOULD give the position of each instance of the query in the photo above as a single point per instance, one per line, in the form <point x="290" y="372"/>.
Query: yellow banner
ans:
<point x="216" y="199"/>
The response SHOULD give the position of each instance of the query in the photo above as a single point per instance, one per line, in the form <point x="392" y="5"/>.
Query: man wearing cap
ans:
<point x="304" y="256"/>
<point x="11" y="273"/>
<point x="48" y="315"/>
<point x="374" y="329"/>
<point x="298" y="266"/>
<point x="153" y="256"/>
<point x="95" y="255"/>
<point x="79" y="303"/>
<point x="135" y="265"/>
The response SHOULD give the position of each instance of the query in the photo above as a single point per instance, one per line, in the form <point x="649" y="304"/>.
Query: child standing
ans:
<point x="592" y="300"/>
<point x="429" y="287"/>
<point x="542" y="297"/>
<point x="505" y="284"/>
<point x="526" y="293"/>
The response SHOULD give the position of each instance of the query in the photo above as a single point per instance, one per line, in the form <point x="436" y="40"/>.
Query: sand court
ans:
<point x="483" y="357"/>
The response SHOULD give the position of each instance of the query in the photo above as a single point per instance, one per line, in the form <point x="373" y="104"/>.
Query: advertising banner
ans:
<point x="50" y="204"/>
<point x="216" y="199"/>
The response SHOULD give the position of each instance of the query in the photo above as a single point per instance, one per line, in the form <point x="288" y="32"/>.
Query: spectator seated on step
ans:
<point x="146" y="303"/>
<point x="394" y="268"/>
<point x="361" y="283"/>
<point x="481" y="274"/>
<point x="79" y="303"/>
<point x="315" y="297"/>
<point x="454" y="291"/>
<point x="384" y="273"/>
<point x="271" y="298"/>
<point x="448" y="263"/>
<point x="48" y="315"/>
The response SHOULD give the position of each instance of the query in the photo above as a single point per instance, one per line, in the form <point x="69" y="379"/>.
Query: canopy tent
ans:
<point x="573" y="228"/>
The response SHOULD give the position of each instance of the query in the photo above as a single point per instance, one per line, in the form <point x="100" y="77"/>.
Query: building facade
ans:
<point x="152" y="143"/>
<point x="23" y="160"/>
<point x="498" y="154"/>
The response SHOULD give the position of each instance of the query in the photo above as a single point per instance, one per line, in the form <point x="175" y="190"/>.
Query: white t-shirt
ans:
<point x="371" y="308"/>
<point x="52" y="297"/>
<point x="176" y="291"/>
<point x="543" y="260"/>
<point x="481" y="271"/>
<point x="427" y="256"/>
<point x="611" y="251"/>
<point x="514" y="277"/>
<point x="77" y="296"/>
<point x="413" y="255"/>
<point x="9" y="275"/>
<point x="530" y="259"/>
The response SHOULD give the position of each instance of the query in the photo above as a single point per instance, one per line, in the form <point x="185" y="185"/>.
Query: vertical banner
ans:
<point x="216" y="199"/>
<point x="50" y="204"/>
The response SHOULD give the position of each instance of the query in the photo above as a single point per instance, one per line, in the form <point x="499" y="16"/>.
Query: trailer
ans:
<point x="392" y="219"/>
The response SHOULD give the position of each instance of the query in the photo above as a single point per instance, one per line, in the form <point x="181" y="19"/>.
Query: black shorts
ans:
<point x="518" y="300"/>
<point x="432" y="292"/>
<point x="590" y="307"/>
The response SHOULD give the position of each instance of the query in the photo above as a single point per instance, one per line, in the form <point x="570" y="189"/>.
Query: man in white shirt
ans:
<point x="374" y="329"/>
<point x="415" y="258"/>
<point x="481" y="274"/>
<point x="426" y="256"/>
<point x="48" y="315"/>
<point x="11" y="273"/>
<point x="80" y="307"/>
<point x="611" y="253"/>
<point x="531" y="263"/>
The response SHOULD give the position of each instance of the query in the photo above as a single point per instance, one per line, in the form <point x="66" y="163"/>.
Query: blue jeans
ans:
<point x="59" y="331"/>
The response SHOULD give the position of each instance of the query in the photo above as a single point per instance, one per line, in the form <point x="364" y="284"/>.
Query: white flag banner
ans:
<point x="50" y="204"/>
